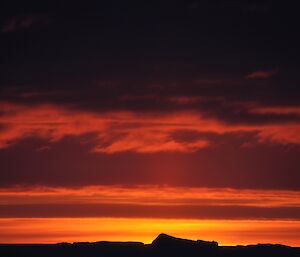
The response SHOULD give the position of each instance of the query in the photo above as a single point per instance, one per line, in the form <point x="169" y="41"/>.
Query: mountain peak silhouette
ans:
<point x="165" y="238"/>
<point x="165" y="244"/>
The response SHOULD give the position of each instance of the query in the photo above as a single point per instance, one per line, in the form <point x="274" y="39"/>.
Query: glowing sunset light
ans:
<point x="122" y="121"/>
<point x="226" y="232"/>
<point x="149" y="195"/>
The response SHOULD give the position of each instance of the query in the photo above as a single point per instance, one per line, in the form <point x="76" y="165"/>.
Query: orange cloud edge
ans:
<point x="123" y="131"/>
<point x="149" y="195"/>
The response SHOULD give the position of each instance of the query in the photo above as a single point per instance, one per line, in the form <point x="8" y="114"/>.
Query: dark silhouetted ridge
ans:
<point x="164" y="240"/>
<point x="163" y="246"/>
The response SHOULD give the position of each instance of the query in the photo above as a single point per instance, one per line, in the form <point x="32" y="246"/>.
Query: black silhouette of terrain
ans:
<point x="163" y="246"/>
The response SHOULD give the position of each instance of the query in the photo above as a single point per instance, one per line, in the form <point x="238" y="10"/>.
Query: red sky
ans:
<point x="120" y="122"/>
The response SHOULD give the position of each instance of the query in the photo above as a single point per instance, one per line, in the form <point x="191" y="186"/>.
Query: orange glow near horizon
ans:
<point x="226" y="232"/>
<point x="157" y="209"/>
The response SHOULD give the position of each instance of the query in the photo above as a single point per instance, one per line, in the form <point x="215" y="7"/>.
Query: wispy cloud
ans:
<point x="261" y="74"/>
<point x="149" y="202"/>
<point x="22" y="22"/>
<point x="149" y="195"/>
<point x="118" y="131"/>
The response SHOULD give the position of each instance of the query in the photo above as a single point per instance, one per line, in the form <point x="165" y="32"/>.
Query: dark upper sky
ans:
<point x="194" y="93"/>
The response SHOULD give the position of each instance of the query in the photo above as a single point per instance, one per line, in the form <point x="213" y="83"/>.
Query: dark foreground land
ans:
<point x="163" y="245"/>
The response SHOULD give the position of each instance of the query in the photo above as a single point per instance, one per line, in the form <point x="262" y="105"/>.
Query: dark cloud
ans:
<point x="105" y="56"/>
<point x="158" y="58"/>
<point x="261" y="74"/>
<point x="228" y="103"/>
<point x="16" y="23"/>
<point x="148" y="211"/>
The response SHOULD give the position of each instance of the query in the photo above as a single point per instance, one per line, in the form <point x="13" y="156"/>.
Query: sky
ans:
<point x="120" y="120"/>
